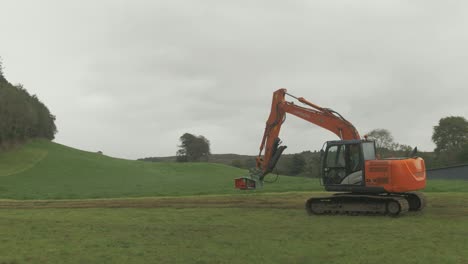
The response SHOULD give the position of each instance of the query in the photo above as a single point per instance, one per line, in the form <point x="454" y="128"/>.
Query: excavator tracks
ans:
<point x="416" y="200"/>
<point x="365" y="204"/>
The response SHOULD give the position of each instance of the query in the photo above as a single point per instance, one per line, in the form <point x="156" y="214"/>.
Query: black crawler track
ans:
<point x="365" y="204"/>
<point x="416" y="200"/>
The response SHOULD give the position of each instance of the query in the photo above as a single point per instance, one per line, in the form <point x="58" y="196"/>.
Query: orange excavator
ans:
<point x="364" y="184"/>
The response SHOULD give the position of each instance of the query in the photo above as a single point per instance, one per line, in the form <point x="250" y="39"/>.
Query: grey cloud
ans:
<point x="138" y="74"/>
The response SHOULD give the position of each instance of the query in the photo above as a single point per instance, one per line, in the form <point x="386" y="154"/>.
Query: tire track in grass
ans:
<point x="444" y="205"/>
<point x="34" y="158"/>
<point x="285" y="201"/>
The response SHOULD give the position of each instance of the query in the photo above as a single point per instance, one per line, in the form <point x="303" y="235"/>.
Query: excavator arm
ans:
<point x="323" y="117"/>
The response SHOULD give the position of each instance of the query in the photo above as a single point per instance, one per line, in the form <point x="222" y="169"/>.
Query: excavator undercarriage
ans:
<point x="365" y="204"/>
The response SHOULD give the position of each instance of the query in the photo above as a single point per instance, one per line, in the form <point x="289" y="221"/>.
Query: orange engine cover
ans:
<point x="396" y="175"/>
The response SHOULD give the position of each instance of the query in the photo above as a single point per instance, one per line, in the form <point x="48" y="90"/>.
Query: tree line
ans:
<point x="22" y="115"/>
<point x="450" y="136"/>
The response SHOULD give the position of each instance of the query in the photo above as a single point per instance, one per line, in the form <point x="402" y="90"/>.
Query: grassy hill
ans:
<point x="45" y="170"/>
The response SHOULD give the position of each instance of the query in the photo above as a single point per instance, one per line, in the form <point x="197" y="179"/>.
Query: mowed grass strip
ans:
<point x="239" y="234"/>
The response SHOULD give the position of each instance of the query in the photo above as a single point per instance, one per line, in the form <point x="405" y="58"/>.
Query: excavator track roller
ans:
<point x="393" y="208"/>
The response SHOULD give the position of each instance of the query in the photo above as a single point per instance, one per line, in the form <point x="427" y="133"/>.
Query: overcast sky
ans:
<point x="130" y="77"/>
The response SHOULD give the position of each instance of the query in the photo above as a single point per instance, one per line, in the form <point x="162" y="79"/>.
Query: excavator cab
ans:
<point x="343" y="162"/>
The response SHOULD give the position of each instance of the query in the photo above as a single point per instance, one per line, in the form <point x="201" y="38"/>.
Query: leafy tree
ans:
<point x="22" y="115"/>
<point x="385" y="144"/>
<point x="193" y="148"/>
<point x="312" y="167"/>
<point x="297" y="164"/>
<point x="1" y="69"/>
<point x="463" y="155"/>
<point x="249" y="163"/>
<point x="451" y="134"/>
<point x="451" y="139"/>
<point x="382" y="137"/>
<point x="402" y="147"/>
<point x="181" y="156"/>
<point x="236" y="163"/>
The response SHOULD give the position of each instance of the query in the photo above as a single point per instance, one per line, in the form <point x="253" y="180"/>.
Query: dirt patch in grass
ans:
<point x="283" y="201"/>
<point x="448" y="204"/>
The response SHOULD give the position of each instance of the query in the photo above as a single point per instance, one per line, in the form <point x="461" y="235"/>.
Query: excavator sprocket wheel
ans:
<point x="416" y="201"/>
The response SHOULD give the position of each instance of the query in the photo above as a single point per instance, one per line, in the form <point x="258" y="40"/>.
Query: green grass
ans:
<point x="24" y="158"/>
<point x="203" y="219"/>
<point x="235" y="235"/>
<point x="446" y="186"/>
<point x="44" y="170"/>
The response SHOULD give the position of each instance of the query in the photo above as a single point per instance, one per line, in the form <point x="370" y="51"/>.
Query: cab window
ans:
<point x="335" y="157"/>
<point x="368" y="150"/>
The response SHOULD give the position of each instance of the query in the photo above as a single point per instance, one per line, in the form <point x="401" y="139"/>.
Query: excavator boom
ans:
<point x="323" y="117"/>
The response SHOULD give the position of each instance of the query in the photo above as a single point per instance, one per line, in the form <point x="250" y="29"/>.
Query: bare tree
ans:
<point x="382" y="137"/>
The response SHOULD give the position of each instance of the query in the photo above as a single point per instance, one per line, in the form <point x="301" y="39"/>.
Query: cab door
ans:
<point x="334" y="165"/>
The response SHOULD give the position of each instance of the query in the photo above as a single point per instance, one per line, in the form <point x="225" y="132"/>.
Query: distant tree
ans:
<point x="451" y="139"/>
<point x="296" y="164"/>
<point x="1" y="69"/>
<point x="403" y="147"/>
<point x="181" y="155"/>
<point x="23" y="116"/>
<point x="193" y="148"/>
<point x="312" y="167"/>
<point x="385" y="144"/>
<point x="451" y="134"/>
<point x="249" y="163"/>
<point x="382" y="137"/>
<point x="236" y="163"/>
<point x="463" y="155"/>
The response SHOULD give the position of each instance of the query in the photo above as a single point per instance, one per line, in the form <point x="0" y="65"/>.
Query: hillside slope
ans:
<point x="45" y="170"/>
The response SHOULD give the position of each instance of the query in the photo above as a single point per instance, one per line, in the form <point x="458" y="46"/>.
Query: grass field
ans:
<point x="264" y="228"/>
<point x="44" y="170"/>
<point x="190" y="213"/>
